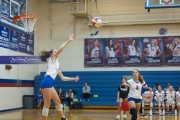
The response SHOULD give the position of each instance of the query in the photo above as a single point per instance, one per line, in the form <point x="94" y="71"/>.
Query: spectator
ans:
<point x="167" y="87"/>
<point x="61" y="95"/>
<point x="86" y="92"/>
<point x="155" y="88"/>
<point x="69" y="96"/>
<point x="39" y="97"/>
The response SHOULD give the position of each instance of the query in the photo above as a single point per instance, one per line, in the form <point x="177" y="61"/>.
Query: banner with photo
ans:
<point x="112" y="50"/>
<point x="172" y="51"/>
<point x="93" y="49"/>
<point x="152" y="51"/>
<point x="132" y="49"/>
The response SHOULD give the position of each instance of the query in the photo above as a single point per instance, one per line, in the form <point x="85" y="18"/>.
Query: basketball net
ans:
<point x="28" y="20"/>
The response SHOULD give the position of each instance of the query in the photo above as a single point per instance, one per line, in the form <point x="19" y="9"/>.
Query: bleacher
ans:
<point x="105" y="83"/>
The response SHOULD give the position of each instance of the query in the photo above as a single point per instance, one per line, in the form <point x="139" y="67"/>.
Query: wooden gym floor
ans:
<point x="75" y="114"/>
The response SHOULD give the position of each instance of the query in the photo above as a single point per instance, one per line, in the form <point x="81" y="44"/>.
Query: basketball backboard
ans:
<point x="155" y="4"/>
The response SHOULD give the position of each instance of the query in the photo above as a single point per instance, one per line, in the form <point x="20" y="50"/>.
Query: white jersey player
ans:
<point x="178" y="100"/>
<point x="147" y="99"/>
<point x="175" y="48"/>
<point x="110" y="52"/>
<point x="95" y="52"/>
<point x="170" y="96"/>
<point x="152" y="49"/>
<point x="133" y="50"/>
<point x="134" y="96"/>
<point x="160" y="96"/>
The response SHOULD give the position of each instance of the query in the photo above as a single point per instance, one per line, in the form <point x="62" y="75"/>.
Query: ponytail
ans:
<point x="141" y="79"/>
<point x="44" y="55"/>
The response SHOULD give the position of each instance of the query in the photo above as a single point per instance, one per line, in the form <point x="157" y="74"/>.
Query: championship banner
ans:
<point x="23" y="43"/>
<point x="172" y="51"/>
<point x="93" y="52"/>
<point x="112" y="52"/>
<point x="132" y="55"/>
<point x="30" y="44"/>
<point x="20" y="60"/>
<point x="14" y="40"/>
<point x="4" y="37"/>
<point x="152" y="51"/>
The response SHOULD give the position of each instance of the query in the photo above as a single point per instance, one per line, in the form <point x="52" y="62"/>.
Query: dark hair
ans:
<point x="135" y="45"/>
<point x="44" y="55"/>
<point x="69" y="90"/>
<point x="140" y="78"/>
<point x="122" y="79"/>
<point x="110" y="46"/>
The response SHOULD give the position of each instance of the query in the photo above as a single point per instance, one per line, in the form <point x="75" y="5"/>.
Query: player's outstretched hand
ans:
<point x="77" y="78"/>
<point x="71" y="37"/>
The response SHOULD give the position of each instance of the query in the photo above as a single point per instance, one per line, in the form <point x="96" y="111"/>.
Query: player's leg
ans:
<point x="173" y="106"/>
<point x="59" y="106"/>
<point x="132" y="106"/>
<point x="143" y="104"/>
<point x="167" y="106"/>
<point x="119" y="109"/>
<point x="125" y="111"/>
<point x="138" y="106"/>
<point x="159" y="106"/>
<point x="163" y="106"/>
<point x="178" y="107"/>
<point x="47" y="93"/>
<point x="151" y="106"/>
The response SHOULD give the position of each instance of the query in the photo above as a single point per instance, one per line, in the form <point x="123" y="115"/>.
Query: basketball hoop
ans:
<point x="166" y="2"/>
<point x="28" y="20"/>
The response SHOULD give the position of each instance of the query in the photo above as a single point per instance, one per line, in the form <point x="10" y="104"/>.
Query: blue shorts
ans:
<point x="47" y="82"/>
<point x="135" y="100"/>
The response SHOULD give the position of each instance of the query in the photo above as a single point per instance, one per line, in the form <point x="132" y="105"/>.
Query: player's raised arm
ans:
<point x="63" y="78"/>
<point x="62" y="47"/>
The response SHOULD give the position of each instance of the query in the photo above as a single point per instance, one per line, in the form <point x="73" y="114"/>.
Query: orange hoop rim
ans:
<point x="28" y="16"/>
<point x="25" y="17"/>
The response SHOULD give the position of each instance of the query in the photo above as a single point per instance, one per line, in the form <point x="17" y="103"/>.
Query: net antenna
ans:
<point x="28" y="20"/>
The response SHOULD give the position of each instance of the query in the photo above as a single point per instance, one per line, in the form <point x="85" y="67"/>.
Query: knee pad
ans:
<point x="151" y="104"/>
<point x="159" y="104"/>
<point x="59" y="107"/>
<point x="163" y="104"/>
<point x="178" y="104"/>
<point x="167" y="105"/>
<point x="143" y="104"/>
<point x="45" y="111"/>
<point x="133" y="112"/>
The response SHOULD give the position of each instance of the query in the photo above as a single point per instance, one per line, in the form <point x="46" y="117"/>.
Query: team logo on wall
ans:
<point x="152" y="51"/>
<point x="163" y="31"/>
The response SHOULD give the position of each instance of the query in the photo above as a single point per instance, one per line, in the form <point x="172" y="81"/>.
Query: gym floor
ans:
<point x="74" y="114"/>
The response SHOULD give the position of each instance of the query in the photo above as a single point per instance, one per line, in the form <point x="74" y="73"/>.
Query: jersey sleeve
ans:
<point x="144" y="84"/>
<point x="129" y="47"/>
<point x="96" y="49"/>
<point x="107" y="49"/>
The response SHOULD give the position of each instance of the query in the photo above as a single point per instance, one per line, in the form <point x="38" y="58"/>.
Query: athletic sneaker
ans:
<point x="118" y="117"/>
<point x="172" y="113"/>
<point x="124" y="117"/>
<point x="150" y="112"/>
<point x="64" y="119"/>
